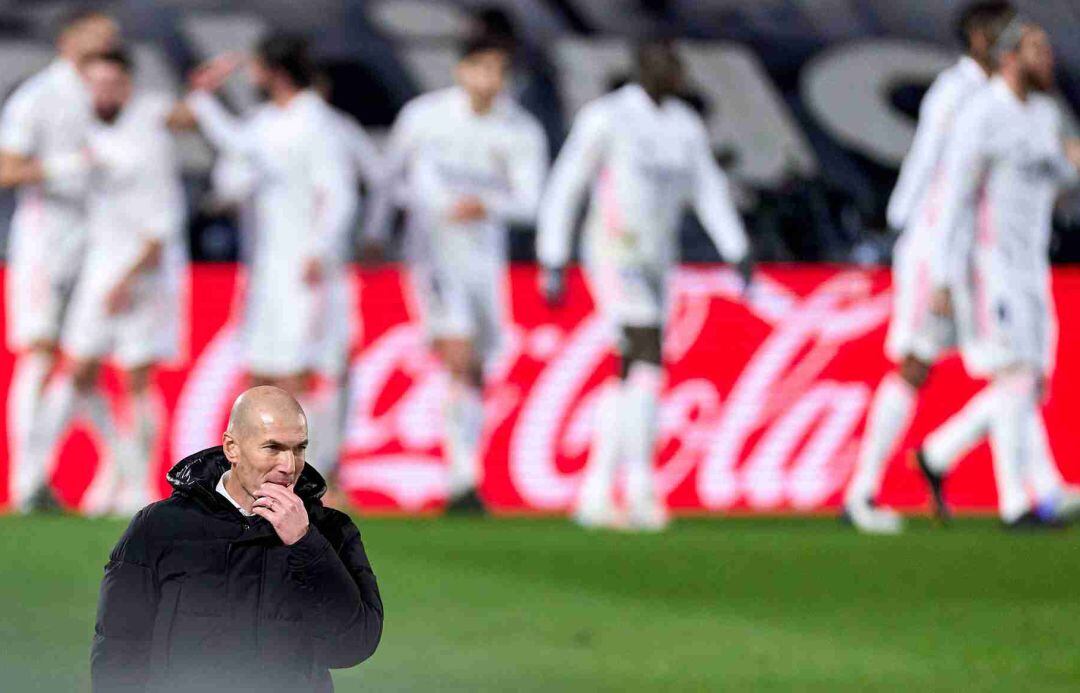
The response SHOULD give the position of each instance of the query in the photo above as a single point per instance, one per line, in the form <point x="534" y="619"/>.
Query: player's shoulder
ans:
<point x="431" y="102"/>
<point x="152" y="105"/>
<point x="33" y="87"/>
<point x="517" y="116"/>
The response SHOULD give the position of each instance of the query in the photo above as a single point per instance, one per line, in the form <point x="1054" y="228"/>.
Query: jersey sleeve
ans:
<point x="963" y="172"/>
<point x="577" y="165"/>
<point x="936" y="115"/>
<point x="17" y="123"/>
<point x="527" y="164"/>
<point x="395" y="163"/>
<point x="362" y="151"/>
<point x="226" y="132"/>
<point x="712" y="202"/>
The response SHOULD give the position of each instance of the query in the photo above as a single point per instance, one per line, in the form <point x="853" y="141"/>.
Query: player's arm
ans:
<point x="341" y="589"/>
<point x="527" y="165"/>
<point x="963" y="170"/>
<point x="18" y="165"/>
<point x="362" y="152"/>
<point x="576" y="166"/>
<point x="127" y="608"/>
<point x="336" y="201"/>
<point x="935" y="116"/>
<point x="712" y="202"/>
<point x="395" y="162"/>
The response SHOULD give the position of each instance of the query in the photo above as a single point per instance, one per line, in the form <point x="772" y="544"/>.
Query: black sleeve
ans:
<point x="127" y="607"/>
<point x="341" y="589"/>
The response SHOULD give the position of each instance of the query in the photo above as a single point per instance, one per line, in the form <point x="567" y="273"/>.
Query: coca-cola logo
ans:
<point x="754" y="421"/>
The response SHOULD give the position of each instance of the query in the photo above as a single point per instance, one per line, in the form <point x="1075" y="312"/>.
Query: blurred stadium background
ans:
<point x="810" y="105"/>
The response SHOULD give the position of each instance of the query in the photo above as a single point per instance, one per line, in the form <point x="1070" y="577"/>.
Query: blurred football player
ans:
<point x="43" y="132"/>
<point x="298" y="307"/>
<point x="126" y="303"/>
<point x="647" y="156"/>
<point x="917" y="337"/>
<point x="1005" y="165"/>
<point x="472" y="162"/>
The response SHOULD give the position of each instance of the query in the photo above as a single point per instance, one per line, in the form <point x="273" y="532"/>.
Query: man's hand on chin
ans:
<point x="284" y="510"/>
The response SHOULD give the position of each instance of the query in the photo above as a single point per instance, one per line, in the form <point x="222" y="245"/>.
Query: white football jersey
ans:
<point x="136" y="194"/>
<point x="439" y="151"/>
<point x="646" y="163"/>
<point x="304" y="187"/>
<point x="1004" y="167"/>
<point x="48" y="117"/>
<point x="915" y="195"/>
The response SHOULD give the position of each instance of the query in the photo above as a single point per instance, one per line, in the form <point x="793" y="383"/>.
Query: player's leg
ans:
<point x="1014" y="403"/>
<point x="147" y="416"/>
<point x="911" y="344"/>
<point x="891" y="410"/>
<point x="463" y="417"/>
<point x="595" y="502"/>
<point x="641" y="374"/>
<point x="114" y="453"/>
<point x="29" y="472"/>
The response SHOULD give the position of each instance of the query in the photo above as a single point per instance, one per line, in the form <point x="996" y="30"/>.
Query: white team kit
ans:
<point x="47" y="118"/>
<point x="135" y="197"/>
<point x="446" y="151"/>
<point x="645" y="163"/>
<point x="915" y="207"/>
<point x="1006" y="166"/>
<point x="302" y="205"/>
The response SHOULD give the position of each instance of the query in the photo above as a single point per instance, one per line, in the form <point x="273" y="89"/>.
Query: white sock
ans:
<point x="24" y="400"/>
<point x="464" y="421"/>
<point x="148" y="411"/>
<point x="324" y="406"/>
<point x="1009" y="431"/>
<point x="598" y="478"/>
<point x="956" y="437"/>
<point x="1042" y="473"/>
<point x="55" y="412"/>
<point x="120" y="460"/>
<point x="890" y="415"/>
<point x="637" y="409"/>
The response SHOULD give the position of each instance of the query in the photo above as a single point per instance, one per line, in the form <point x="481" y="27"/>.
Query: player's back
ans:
<point x="914" y="203"/>
<point x="288" y="149"/>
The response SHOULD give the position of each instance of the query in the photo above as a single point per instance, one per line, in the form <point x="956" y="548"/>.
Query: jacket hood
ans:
<point x="197" y="475"/>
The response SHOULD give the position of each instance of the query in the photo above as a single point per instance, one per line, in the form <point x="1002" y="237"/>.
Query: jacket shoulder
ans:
<point x="335" y="525"/>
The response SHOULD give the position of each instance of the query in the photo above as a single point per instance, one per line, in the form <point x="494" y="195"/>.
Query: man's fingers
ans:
<point x="281" y="494"/>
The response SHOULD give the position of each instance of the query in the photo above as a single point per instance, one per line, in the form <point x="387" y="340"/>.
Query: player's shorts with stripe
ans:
<point x="914" y="330"/>
<point x="465" y="301"/>
<point x="291" y="327"/>
<point x="145" y="332"/>
<point x="43" y="266"/>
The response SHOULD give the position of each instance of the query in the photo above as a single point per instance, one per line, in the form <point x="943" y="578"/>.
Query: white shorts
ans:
<point x="147" y="332"/>
<point x="914" y="330"/>
<point x="628" y="294"/>
<point x="1005" y="323"/>
<point x="291" y="328"/>
<point x="40" y="276"/>
<point x="466" y="302"/>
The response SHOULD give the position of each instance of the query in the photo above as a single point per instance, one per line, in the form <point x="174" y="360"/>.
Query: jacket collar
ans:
<point x="197" y="476"/>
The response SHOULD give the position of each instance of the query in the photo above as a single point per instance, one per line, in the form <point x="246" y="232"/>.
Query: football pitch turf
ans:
<point x="713" y="604"/>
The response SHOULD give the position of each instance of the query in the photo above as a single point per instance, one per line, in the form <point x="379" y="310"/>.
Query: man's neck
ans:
<point x="1016" y="84"/>
<point x="984" y="63"/>
<point x="237" y="492"/>
<point x="283" y="96"/>
<point x="480" y="105"/>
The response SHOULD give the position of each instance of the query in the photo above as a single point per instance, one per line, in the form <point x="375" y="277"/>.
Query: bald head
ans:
<point x="262" y="407"/>
<point x="266" y="440"/>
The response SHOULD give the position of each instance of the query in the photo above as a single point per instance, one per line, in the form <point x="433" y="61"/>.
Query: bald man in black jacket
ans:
<point x="241" y="580"/>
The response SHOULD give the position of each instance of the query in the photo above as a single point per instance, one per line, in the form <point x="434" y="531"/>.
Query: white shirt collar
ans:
<point x="221" y="489"/>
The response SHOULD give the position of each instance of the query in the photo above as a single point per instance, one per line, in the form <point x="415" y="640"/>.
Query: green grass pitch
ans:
<point x="717" y="604"/>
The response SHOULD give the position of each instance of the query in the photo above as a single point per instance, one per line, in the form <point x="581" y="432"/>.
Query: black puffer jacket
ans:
<point x="197" y="597"/>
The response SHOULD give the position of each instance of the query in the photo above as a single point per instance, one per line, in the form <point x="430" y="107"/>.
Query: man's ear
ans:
<point x="230" y="446"/>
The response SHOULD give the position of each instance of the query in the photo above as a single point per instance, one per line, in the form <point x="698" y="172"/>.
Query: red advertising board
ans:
<point x="764" y="402"/>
